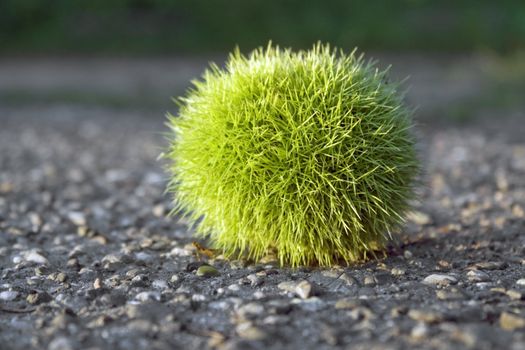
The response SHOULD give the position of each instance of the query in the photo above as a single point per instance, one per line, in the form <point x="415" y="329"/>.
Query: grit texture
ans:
<point x="89" y="258"/>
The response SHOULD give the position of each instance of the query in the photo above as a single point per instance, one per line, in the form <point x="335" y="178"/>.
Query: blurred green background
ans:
<point x="464" y="59"/>
<point x="200" y="26"/>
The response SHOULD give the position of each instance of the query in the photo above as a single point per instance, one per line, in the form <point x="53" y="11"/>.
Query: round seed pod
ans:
<point x="306" y="154"/>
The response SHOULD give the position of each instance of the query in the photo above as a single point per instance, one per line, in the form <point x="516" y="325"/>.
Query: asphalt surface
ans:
<point x="89" y="258"/>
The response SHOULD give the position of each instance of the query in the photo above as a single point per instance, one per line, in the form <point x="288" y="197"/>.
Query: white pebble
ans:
<point x="198" y="297"/>
<point x="159" y="284"/>
<point x="61" y="343"/>
<point x="77" y="217"/>
<point x="234" y="287"/>
<point x="440" y="279"/>
<point x="478" y="276"/>
<point x="141" y="256"/>
<point x="303" y="289"/>
<point x="8" y="295"/>
<point x="420" y="331"/>
<point x="178" y="251"/>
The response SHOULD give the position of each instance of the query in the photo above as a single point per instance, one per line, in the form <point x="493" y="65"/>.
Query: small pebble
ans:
<point x="174" y="278"/>
<point x="148" y="296"/>
<point x="419" y="218"/>
<point x="159" y="210"/>
<point x="61" y="343"/>
<point x="397" y="271"/>
<point x="287" y="286"/>
<point x="35" y="257"/>
<point x="478" y="276"/>
<point x="369" y="280"/>
<point x="77" y="218"/>
<point x="198" y="297"/>
<point x="8" y="295"/>
<point x="490" y="265"/>
<point x="440" y="280"/>
<point x="97" y="284"/>
<point x="255" y="281"/>
<point x="143" y="257"/>
<point x="61" y="277"/>
<point x="304" y="289"/>
<point x="348" y="279"/>
<point x="250" y="310"/>
<point x="159" y="284"/>
<point x="234" y="287"/>
<point x="515" y="294"/>
<point x="419" y="332"/>
<point x="511" y="322"/>
<point x="247" y="331"/>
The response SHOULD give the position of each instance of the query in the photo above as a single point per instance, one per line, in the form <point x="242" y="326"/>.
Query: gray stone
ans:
<point x="288" y="286"/>
<point x="32" y="256"/>
<point x="419" y="217"/>
<point x="304" y="289"/>
<point x="159" y="284"/>
<point x="255" y="281"/>
<point x="250" y="310"/>
<point x="440" y="280"/>
<point x="8" y="295"/>
<point x="148" y="296"/>
<point x="348" y="279"/>
<point x="77" y="218"/>
<point x="491" y="265"/>
<point x="61" y="343"/>
<point x="478" y="276"/>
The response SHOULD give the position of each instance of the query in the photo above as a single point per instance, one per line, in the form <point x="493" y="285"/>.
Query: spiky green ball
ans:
<point x="308" y="154"/>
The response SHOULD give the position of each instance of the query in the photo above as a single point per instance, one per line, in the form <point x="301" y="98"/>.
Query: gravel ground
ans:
<point x="89" y="260"/>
